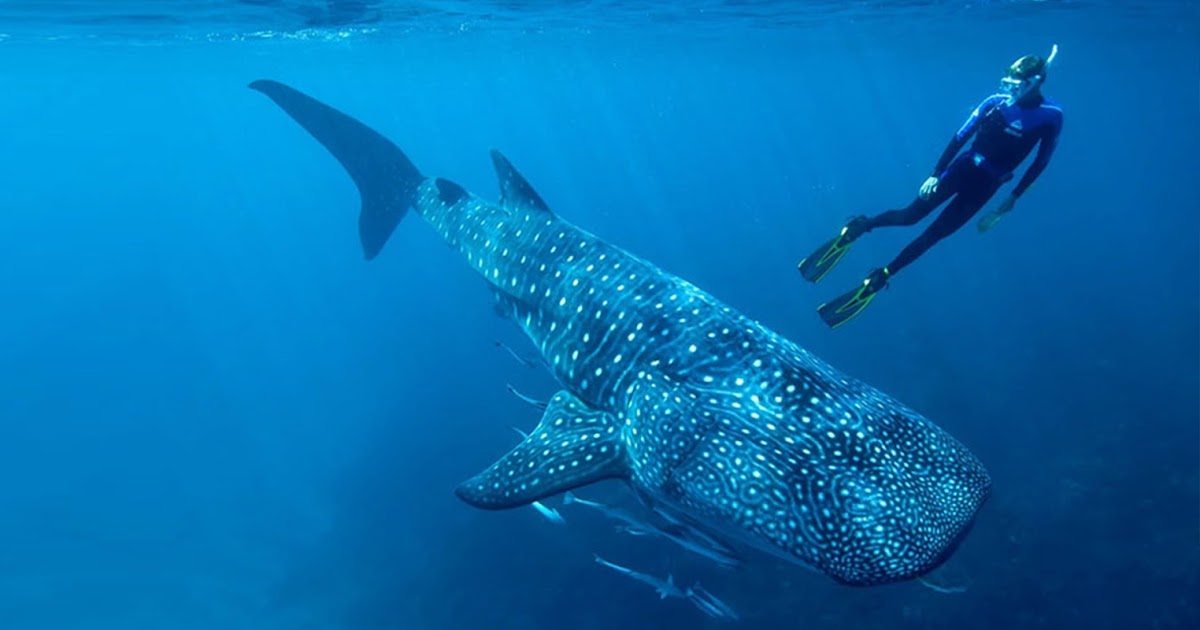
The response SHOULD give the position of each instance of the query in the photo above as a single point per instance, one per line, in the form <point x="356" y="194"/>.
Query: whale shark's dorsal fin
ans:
<point x="515" y="190"/>
<point x="572" y="446"/>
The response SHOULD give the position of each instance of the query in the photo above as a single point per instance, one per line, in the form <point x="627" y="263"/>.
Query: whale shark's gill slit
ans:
<point x="387" y="180"/>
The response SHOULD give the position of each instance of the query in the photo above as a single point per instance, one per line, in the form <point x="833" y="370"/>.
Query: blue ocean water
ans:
<point x="215" y="414"/>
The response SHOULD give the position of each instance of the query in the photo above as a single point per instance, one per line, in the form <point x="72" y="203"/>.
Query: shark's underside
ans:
<point x="708" y="415"/>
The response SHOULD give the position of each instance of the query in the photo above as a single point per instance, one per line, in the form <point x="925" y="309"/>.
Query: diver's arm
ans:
<point x="1045" y="149"/>
<point x="952" y="149"/>
<point x="965" y="132"/>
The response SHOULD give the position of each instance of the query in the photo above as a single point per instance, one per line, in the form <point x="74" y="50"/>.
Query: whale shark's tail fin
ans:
<point x="387" y="181"/>
<point x="572" y="446"/>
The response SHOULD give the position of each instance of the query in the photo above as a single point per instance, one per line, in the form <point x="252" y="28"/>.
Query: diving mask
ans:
<point x="1026" y="75"/>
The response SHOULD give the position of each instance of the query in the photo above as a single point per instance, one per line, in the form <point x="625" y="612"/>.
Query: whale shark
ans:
<point x="703" y="412"/>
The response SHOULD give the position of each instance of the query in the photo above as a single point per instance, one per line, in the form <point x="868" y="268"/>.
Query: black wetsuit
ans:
<point x="1004" y="136"/>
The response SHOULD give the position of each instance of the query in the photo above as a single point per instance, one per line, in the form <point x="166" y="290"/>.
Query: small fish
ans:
<point x="614" y="513"/>
<point x="945" y="590"/>
<point x="665" y="588"/>
<point x="670" y="518"/>
<point x="551" y="514"/>
<point x="531" y="363"/>
<point x="678" y="533"/>
<point x="709" y="604"/>
<point x="632" y="530"/>
<point x="540" y="404"/>
<point x="691" y="540"/>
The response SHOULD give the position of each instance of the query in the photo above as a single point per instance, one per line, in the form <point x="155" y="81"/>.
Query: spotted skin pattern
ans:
<point x="705" y="412"/>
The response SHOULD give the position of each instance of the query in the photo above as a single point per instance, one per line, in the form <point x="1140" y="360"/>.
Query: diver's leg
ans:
<point x="964" y="206"/>
<point x="819" y="263"/>
<point x="910" y="215"/>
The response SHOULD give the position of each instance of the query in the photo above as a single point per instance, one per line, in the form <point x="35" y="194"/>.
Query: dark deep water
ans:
<point x="214" y="414"/>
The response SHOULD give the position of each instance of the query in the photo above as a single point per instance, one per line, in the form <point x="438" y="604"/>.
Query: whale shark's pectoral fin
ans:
<point x="573" y="445"/>
<point x="515" y="191"/>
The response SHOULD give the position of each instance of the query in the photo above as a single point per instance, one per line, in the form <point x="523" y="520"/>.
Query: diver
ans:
<point x="1006" y="127"/>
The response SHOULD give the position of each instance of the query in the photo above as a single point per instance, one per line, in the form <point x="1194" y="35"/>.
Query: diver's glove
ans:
<point x="929" y="187"/>
<point x="988" y="220"/>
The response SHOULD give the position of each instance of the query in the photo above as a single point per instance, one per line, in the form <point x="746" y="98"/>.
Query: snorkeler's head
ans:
<point x="1026" y="75"/>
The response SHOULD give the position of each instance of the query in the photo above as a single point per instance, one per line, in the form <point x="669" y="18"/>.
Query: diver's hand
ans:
<point x="988" y="220"/>
<point x="929" y="187"/>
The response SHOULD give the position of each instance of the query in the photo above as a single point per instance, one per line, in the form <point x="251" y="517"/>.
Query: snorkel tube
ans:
<point x="1025" y="86"/>
<point x="1041" y="78"/>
